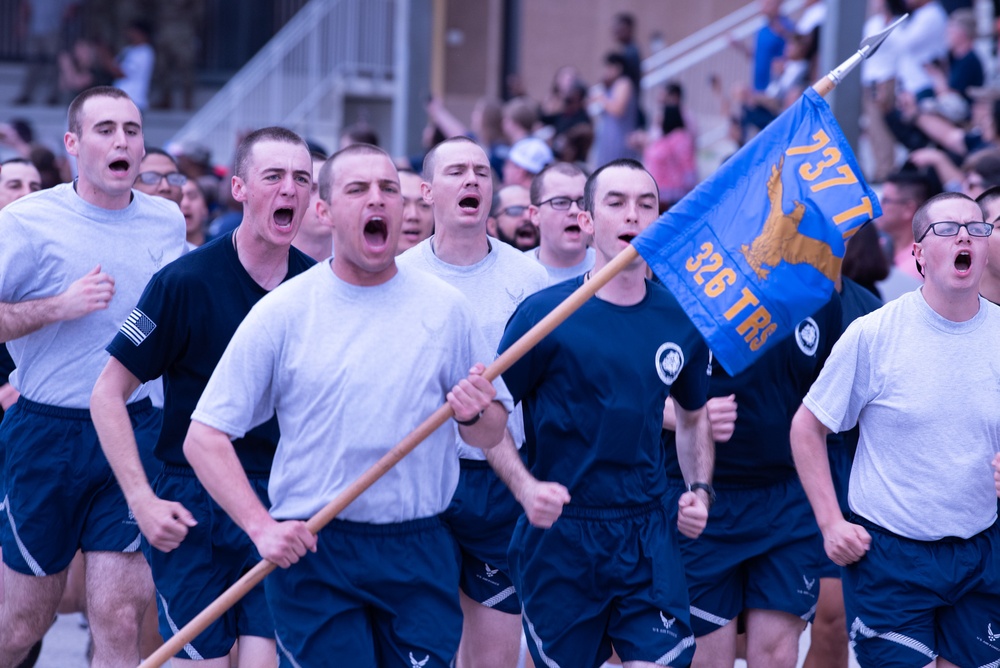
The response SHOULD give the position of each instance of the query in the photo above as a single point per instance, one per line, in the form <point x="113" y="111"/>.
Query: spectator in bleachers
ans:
<point x="769" y="44"/>
<point x="133" y="69"/>
<point x="671" y="158"/>
<point x="616" y="104"/>
<point x="878" y="77"/>
<point x="178" y="25"/>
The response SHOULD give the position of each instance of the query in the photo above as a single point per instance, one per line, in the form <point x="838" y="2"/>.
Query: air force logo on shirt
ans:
<point x="807" y="336"/>
<point x="669" y="362"/>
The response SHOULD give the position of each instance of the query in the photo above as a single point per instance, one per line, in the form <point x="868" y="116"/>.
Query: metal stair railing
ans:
<point x="299" y="77"/>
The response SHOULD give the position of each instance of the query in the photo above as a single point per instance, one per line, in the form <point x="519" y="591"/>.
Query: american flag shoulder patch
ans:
<point x="137" y="326"/>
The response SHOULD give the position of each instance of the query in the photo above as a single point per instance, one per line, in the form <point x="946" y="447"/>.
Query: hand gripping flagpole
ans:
<point x="530" y="339"/>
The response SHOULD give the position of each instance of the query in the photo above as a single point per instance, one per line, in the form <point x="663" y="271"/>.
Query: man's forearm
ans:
<point x="212" y="456"/>
<point x="114" y="430"/>
<point x="695" y="447"/>
<point x="506" y="462"/>
<point x="22" y="318"/>
<point x="809" y="450"/>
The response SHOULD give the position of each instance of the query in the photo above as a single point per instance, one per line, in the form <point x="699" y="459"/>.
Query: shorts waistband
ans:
<point x="854" y="518"/>
<point x="388" y="529"/>
<point x="612" y="512"/>
<point x="75" y="413"/>
<point x="725" y="485"/>
<point x="188" y="472"/>
<point x="474" y="464"/>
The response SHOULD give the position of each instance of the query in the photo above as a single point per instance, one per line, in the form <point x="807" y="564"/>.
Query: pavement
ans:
<point x="65" y="646"/>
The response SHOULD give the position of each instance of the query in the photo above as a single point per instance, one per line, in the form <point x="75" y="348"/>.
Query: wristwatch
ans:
<point x="708" y="490"/>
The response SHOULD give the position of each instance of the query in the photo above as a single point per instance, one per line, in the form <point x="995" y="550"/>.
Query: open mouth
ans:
<point x="573" y="229"/>
<point x="527" y="232"/>
<point x="119" y="167"/>
<point x="469" y="203"/>
<point x="627" y="238"/>
<point x="376" y="232"/>
<point x="963" y="261"/>
<point x="283" y="217"/>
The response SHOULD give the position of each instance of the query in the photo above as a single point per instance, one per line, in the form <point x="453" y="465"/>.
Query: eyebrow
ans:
<point x="615" y="193"/>
<point x="132" y="125"/>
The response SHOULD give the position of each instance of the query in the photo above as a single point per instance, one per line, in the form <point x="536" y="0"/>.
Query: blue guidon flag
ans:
<point x="756" y="248"/>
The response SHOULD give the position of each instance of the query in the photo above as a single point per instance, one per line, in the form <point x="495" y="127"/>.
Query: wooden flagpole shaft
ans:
<point x="518" y="349"/>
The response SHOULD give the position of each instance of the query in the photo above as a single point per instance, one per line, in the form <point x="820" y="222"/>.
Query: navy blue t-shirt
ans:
<point x="179" y="330"/>
<point x="593" y="391"/>
<point x="855" y="302"/>
<point x="767" y="395"/>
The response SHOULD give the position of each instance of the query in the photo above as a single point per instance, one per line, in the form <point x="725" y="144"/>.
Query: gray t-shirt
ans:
<point x="560" y="274"/>
<point x="494" y="287"/>
<point x="51" y="239"/>
<point x="350" y="371"/>
<point x="926" y="393"/>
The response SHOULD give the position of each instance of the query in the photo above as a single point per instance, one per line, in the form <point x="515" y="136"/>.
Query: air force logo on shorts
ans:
<point x="669" y="362"/>
<point x="807" y="336"/>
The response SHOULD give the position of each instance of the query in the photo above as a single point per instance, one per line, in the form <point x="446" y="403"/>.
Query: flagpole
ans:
<point x="516" y="351"/>
<point x="865" y="50"/>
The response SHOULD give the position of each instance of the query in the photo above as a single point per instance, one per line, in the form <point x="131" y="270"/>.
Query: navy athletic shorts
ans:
<point x="212" y="557"/>
<point x="481" y="517"/>
<point x="603" y="576"/>
<point x="760" y="550"/>
<point x="60" y="493"/>
<point x="372" y="595"/>
<point x="908" y="601"/>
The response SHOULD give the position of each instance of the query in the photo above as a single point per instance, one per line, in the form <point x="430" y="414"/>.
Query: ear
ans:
<point x="586" y="222"/>
<point x="324" y="213"/>
<point x="533" y="214"/>
<point x="239" y="189"/>
<point x="918" y="256"/>
<point x="71" y="141"/>
<point x="426" y="192"/>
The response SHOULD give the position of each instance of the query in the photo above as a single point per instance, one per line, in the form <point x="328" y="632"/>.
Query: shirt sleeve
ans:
<point x="843" y="387"/>
<point x="523" y="375"/>
<point x="153" y="335"/>
<point x="241" y="392"/>
<point x="690" y="390"/>
<point x="19" y="268"/>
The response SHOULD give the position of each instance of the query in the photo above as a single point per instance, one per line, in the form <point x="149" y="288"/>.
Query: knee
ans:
<point x="18" y="634"/>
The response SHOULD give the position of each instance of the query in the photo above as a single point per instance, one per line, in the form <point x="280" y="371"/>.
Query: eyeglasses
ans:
<point x="513" y="211"/>
<point x="949" y="228"/>
<point x="563" y="203"/>
<point x="175" y="179"/>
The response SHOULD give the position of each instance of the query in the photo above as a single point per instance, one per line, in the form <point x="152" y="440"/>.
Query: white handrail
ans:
<point x="291" y="79"/>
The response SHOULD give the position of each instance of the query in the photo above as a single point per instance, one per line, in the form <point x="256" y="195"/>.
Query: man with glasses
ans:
<point x="495" y="278"/>
<point x="556" y="203"/>
<point x="509" y="220"/>
<point x="159" y="176"/>
<point x="921" y="376"/>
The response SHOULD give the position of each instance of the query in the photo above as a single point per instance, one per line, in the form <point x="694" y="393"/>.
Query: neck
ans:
<point x="92" y="195"/>
<point x="266" y="263"/>
<point x="628" y="287"/>
<point x="989" y="286"/>
<point x="461" y="247"/>
<point x="956" y="306"/>
<point x="550" y="257"/>
<point x="318" y="248"/>
<point x="196" y="238"/>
